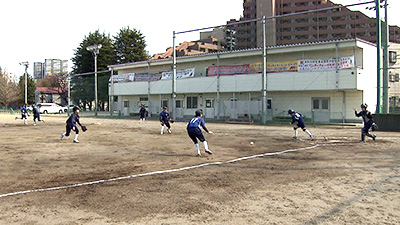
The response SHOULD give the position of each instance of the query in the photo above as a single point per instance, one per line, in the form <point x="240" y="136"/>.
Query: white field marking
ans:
<point x="156" y="172"/>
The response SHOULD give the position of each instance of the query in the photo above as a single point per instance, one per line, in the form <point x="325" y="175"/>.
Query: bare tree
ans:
<point x="8" y="90"/>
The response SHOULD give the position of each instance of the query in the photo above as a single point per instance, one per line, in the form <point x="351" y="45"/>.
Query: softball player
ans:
<point x="71" y="125"/>
<point x="296" y="117"/>
<point x="36" y="115"/>
<point x="368" y="121"/>
<point x="194" y="131"/>
<point x="142" y="114"/>
<point x="24" y="113"/>
<point x="164" y="120"/>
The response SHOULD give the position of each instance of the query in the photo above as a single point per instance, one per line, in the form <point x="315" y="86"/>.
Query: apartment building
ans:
<point x="324" y="25"/>
<point x="49" y="67"/>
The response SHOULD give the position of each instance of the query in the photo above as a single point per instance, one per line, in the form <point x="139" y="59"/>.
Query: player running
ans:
<point x="142" y="114"/>
<point x="368" y="122"/>
<point x="36" y="115"/>
<point x="164" y="120"/>
<point x="195" y="133"/>
<point x="71" y="125"/>
<point x="296" y="117"/>
<point x="24" y="114"/>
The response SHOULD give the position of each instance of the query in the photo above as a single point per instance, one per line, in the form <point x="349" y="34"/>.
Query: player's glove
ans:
<point x="171" y="121"/>
<point x="374" y="127"/>
<point x="84" y="128"/>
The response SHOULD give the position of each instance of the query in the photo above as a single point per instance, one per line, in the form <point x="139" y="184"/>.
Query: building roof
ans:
<point x="52" y="90"/>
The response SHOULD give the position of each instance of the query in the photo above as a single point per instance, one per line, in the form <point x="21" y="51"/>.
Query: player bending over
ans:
<point x="195" y="133"/>
<point x="368" y="121"/>
<point x="71" y="125"/>
<point x="36" y="115"/>
<point x="164" y="120"/>
<point x="296" y="117"/>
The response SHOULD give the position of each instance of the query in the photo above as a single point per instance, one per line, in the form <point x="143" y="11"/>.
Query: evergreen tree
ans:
<point x="31" y="86"/>
<point x="130" y="46"/>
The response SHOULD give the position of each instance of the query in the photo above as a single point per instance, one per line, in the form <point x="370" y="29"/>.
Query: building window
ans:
<point x="126" y="104"/>
<point x="179" y="103"/>
<point x="191" y="102"/>
<point x="143" y="99"/>
<point x="115" y="98"/>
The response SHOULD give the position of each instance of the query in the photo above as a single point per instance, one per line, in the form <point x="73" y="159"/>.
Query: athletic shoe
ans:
<point x="208" y="151"/>
<point x="61" y="135"/>
<point x="169" y="131"/>
<point x="198" y="154"/>
<point x="373" y="137"/>
<point x="76" y="141"/>
<point x="34" y="124"/>
<point x="294" y="137"/>
<point x="362" y="141"/>
<point x="312" y="137"/>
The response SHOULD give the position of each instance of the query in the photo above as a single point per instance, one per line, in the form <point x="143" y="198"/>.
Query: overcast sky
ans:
<point x="43" y="29"/>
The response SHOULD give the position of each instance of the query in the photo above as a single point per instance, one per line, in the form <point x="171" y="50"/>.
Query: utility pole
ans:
<point x="26" y="64"/>
<point x="95" y="51"/>
<point x="378" y="57"/>
<point x="385" y="80"/>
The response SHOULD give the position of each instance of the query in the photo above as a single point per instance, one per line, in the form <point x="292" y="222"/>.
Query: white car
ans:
<point x="46" y="108"/>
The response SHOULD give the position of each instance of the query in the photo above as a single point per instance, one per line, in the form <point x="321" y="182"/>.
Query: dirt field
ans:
<point x="328" y="181"/>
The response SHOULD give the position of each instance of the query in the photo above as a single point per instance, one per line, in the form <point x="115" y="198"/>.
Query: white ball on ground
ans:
<point x="252" y="143"/>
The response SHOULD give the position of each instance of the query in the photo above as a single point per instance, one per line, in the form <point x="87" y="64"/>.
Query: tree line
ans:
<point x="128" y="45"/>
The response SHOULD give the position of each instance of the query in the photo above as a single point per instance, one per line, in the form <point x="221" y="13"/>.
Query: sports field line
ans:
<point x="157" y="172"/>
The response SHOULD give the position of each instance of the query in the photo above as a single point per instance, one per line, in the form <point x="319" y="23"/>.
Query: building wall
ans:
<point x="345" y="89"/>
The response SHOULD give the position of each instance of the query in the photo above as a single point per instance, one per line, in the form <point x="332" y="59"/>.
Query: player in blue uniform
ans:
<point x="71" y="125"/>
<point x="24" y="114"/>
<point x="142" y="114"/>
<point x="296" y="117"/>
<point x="164" y="120"/>
<point x="194" y="131"/>
<point x="368" y="122"/>
<point x="36" y="115"/>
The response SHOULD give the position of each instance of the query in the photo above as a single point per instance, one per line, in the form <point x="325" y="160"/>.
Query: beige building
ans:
<point x="322" y="80"/>
<point x="301" y="28"/>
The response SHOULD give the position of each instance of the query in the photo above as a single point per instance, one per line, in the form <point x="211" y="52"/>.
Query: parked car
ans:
<point x="46" y="108"/>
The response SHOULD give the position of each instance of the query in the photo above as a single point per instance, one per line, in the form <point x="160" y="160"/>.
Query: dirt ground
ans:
<point x="332" y="180"/>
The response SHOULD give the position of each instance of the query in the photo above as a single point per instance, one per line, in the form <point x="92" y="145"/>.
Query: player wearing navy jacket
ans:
<point x="368" y="121"/>
<point x="24" y="113"/>
<point x="195" y="133"/>
<point x="164" y="120"/>
<point x="71" y="125"/>
<point x="142" y="114"/>
<point x="36" y="115"/>
<point x="296" y="117"/>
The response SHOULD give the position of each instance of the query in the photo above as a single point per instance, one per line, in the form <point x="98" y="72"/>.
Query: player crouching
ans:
<point x="296" y="117"/>
<point x="195" y="133"/>
<point x="71" y="125"/>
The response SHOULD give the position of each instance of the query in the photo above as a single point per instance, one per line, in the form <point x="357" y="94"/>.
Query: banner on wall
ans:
<point x="127" y="77"/>
<point x="185" y="73"/>
<point x="275" y="67"/>
<point x="330" y="64"/>
<point x="226" y="70"/>
<point x="147" y="77"/>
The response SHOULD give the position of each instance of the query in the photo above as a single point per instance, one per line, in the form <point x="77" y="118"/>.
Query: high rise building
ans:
<point x="49" y="67"/>
<point x="338" y="23"/>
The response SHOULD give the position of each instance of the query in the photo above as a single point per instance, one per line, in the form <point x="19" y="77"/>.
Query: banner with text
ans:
<point x="330" y="64"/>
<point x="185" y="73"/>
<point x="127" y="77"/>
<point x="226" y="70"/>
<point x="275" y="67"/>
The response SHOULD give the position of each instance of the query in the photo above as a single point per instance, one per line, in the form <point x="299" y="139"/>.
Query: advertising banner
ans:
<point x="275" y="67"/>
<point x="322" y="65"/>
<point x="185" y="73"/>
<point x="127" y="77"/>
<point x="147" y="77"/>
<point x="226" y="70"/>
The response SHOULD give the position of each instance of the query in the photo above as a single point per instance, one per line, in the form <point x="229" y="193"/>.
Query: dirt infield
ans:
<point x="327" y="181"/>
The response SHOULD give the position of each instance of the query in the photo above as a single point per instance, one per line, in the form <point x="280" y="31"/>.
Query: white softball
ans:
<point x="252" y="143"/>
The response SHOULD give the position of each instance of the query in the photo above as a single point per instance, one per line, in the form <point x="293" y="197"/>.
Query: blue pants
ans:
<point x="195" y="134"/>
<point x="69" y="128"/>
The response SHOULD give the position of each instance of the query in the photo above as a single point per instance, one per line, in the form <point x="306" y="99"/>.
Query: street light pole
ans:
<point x="26" y="64"/>
<point x="95" y="51"/>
